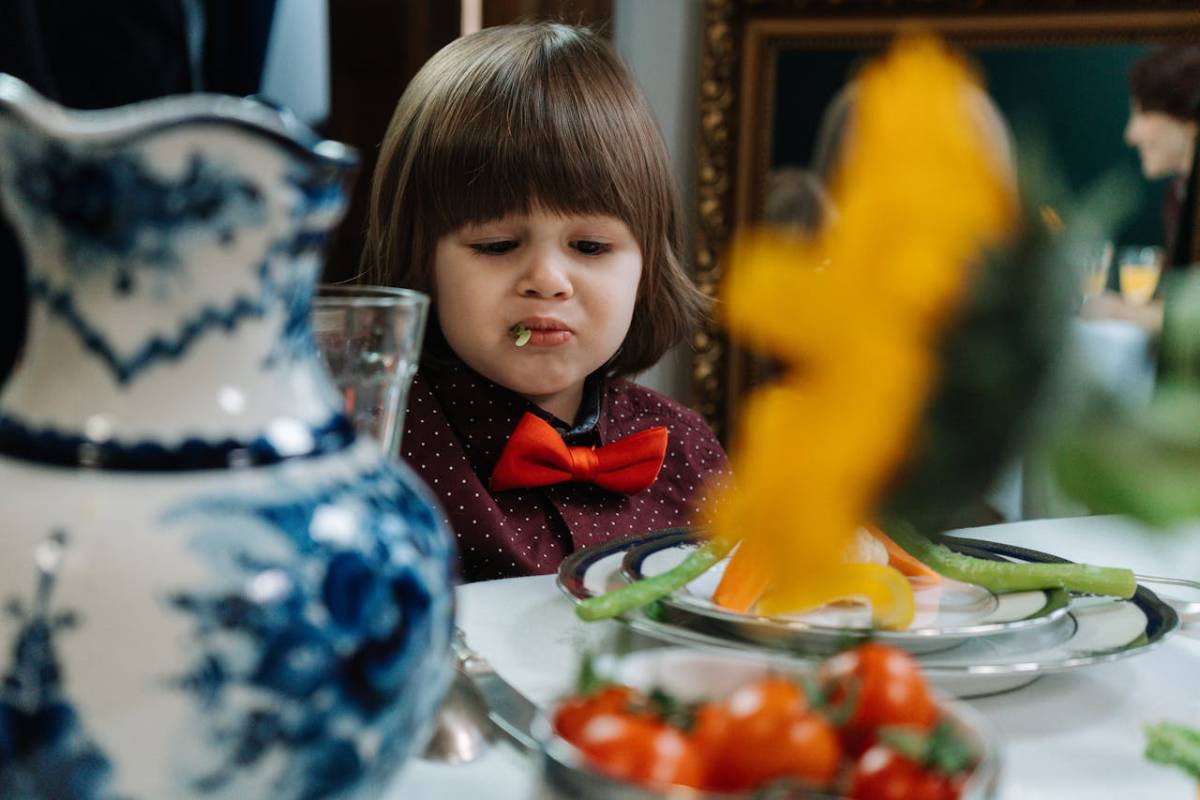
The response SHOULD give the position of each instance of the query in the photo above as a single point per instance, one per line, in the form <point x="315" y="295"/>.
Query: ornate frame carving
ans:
<point x="741" y="39"/>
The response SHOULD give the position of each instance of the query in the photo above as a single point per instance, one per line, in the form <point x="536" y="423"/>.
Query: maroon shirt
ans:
<point x="458" y="422"/>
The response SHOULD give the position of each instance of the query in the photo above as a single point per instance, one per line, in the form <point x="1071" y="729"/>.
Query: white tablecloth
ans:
<point x="1074" y="735"/>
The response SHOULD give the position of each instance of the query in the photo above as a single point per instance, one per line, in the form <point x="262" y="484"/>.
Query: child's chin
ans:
<point x="542" y="384"/>
<point x="539" y="388"/>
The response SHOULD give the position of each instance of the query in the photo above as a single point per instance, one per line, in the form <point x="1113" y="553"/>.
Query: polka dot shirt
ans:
<point x="458" y="422"/>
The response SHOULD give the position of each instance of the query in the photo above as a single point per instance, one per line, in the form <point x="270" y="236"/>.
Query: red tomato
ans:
<point x="762" y="732"/>
<point x="640" y="750"/>
<point x="709" y="728"/>
<point x="884" y="687"/>
<point x="575" y="712"/>
<point x="883" y="774"/>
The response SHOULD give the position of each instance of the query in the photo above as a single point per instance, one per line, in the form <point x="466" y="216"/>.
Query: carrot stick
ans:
<point x="900" y="558"/>
<point x="743" y="583"/>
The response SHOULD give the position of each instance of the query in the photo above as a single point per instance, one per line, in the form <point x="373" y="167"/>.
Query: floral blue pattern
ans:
<point x="116" y="211"/>
<point x="45" y="753"/>
<point x="343" y="625"/>
<point x="122" y="221"/>
<point x="126" y="368"/>
<point x="319" y="194"/>
<point x="118" y="217"/>
<point x="295" y="340"/>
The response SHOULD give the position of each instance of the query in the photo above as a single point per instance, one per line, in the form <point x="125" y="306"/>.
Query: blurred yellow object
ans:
<point x="856" y="314"/>
<point x="887" y="590"/>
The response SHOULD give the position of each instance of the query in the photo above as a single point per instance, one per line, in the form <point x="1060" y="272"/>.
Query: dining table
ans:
<point x="1073" y="734"/>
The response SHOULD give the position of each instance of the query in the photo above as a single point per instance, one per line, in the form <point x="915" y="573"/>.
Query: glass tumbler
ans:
<point x="1092" y="260"/>
<point x="1140" y="268"/>
<point x="370" y="338"/>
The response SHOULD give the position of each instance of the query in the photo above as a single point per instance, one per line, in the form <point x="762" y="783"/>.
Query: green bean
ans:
<point x="647" y="590"/>
<point x="1007" y="576"/>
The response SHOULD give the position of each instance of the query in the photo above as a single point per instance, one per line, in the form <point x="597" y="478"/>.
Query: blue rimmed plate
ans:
<point x="1088" y="630"/>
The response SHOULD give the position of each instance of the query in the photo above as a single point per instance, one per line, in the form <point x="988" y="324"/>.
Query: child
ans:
<point x="524" y="185"/>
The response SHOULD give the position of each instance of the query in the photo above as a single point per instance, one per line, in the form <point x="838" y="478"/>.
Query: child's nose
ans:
<point x="546" y="276"/>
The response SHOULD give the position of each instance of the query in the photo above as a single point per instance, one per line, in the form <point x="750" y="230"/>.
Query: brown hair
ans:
<point x="1168" y="81"/>
<point x="514" y="117"/>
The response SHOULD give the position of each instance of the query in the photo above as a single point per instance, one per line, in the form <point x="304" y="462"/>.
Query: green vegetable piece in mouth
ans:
<point x="520" y="333"/>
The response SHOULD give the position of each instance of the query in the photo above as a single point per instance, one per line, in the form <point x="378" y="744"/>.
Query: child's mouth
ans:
<point x="540" y="332"/>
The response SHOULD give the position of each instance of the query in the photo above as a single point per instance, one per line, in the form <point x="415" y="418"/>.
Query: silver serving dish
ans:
<point x="1093" y="630"/>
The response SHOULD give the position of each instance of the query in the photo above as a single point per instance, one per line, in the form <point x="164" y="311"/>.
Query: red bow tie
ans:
<point x="537" y="456"/>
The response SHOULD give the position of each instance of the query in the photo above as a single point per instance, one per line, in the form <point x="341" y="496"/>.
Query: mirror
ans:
<point x="771" y="69"/>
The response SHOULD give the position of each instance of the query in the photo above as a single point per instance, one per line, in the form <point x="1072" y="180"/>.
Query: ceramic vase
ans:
<point x="211" y="587"/>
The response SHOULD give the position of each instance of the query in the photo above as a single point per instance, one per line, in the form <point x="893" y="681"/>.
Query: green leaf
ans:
<point x="912" y="743"/>
<point x="589" y="681"/>
<point x="950" y="752"/>
<point x="1174" y="744"/>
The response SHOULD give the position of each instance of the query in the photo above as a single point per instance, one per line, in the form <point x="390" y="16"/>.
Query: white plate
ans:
<point x="948" y="612"/>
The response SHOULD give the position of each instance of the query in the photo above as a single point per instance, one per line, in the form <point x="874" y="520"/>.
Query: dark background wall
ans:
<point x="1075" y="97"/>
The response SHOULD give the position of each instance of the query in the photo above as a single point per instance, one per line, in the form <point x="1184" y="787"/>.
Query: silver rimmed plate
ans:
<point x="1094" y="630"/>
<point x="948" y="612"/>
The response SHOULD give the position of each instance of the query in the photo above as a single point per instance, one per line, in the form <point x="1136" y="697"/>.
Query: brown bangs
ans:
<point x="535" y="136"/>
<point x="521" y="116"/>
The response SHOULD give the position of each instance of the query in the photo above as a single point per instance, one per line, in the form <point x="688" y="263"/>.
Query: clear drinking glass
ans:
<point x="1140" y="268"/>
<point x="370" y="338"/>
<point x="1093" y="261"/>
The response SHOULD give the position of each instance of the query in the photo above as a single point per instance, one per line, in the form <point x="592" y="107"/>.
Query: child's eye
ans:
<point x="495" y="248"/>
<point x="590" y="248"/>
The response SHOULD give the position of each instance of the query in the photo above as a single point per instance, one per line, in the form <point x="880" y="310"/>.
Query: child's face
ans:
<point x="572" y="279"/>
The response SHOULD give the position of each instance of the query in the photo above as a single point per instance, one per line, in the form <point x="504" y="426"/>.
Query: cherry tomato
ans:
<point x="883" y="686"/>
<point x="883" y="774"/>
<point x="763" y="732"/>
<point x="709" y="727"/>
<point x="575" y="712"/>
<point x="641" y="750"/>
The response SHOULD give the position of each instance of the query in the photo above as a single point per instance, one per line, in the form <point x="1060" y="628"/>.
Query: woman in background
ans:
<point x="1164" y="122"/>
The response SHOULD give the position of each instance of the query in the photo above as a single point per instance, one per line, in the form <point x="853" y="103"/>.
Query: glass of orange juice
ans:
<point x="1140" y="268"/>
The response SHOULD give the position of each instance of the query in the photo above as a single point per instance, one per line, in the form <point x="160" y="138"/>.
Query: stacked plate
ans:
<point x="970" y="641"/>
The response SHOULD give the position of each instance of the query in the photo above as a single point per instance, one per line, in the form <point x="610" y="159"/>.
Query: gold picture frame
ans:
<point x="740" y="45"/>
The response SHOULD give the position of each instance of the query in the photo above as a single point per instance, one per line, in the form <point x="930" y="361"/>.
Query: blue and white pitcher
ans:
<point x="212" y="589"/>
